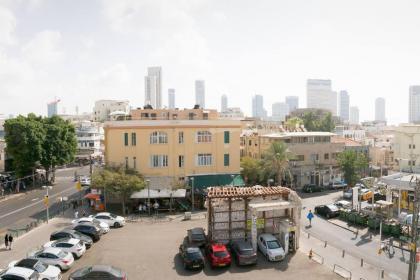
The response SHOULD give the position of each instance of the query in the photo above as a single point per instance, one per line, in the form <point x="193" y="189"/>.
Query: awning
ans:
<point x="165" y="193"/>
<point x="93" y="196"/>
<point x="205" y="181"/>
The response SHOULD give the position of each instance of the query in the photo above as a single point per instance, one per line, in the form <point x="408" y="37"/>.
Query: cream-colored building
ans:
<point x="407" y="147"/>
<point x="173" y="114"/>
<point x="170" y="152"/>
<point x="104" y="108"/>
<point x="314" y="154"/>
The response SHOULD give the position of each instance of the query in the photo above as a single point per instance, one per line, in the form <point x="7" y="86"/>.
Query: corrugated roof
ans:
<point x="234" y="192"/>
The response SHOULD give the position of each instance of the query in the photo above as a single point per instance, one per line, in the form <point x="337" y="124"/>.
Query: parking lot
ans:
<point x="148" y="250"/>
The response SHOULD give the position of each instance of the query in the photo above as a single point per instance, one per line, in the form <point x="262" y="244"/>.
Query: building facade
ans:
<point x="354" y="115"/>
<point x="89" y="135"/>
<point x="2" y="155"/>
<point x="223" y="103"/>
<point x="279" y="111"/>
<point x="380" y="109"/>
<point x="52" y="108"/>
<point x="407" y="147"/>
<point x="258" y="110"/>
<point x="414" y="104"/>
<point x="171" y="98"/>
<point x="200" y="93"/>
<point x="175" y="114"/>
<point x="167" y="152"/>
<point x="293" y="102"/>
<point x="319" y="95"/>
<point x="344" y="107"/>
<point x="153" y="87"/>
<point x="232" y="113"/>
<point x="103" y="109"/>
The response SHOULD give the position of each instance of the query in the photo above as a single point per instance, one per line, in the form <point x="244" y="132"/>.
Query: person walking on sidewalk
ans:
<point x="310" y="216"/>
<point x="6" y="241"/>
<point x="10" y="241"/>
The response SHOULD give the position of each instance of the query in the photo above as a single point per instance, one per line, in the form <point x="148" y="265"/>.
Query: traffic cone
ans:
<point x="310" y="253"/>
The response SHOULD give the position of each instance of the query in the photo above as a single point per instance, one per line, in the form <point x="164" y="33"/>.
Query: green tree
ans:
<point x="250" y="170"/>
<point x="352" y="164"/>
<point x="313" y="122"/>
<point x="60" y="144"/>
<point x="276" y="162"/>
<point x="24" y="137"/>
<point x="310" y="121"/>
<point x="118" y="181"/>
<point x="327" y="123"/>
<point x="293" y="122"/>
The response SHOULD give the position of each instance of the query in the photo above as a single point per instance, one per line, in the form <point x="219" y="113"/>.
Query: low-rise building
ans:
<point x="89" y="138"/>
<point x="314" y="154"/>
<point x="173" y="114"/>
<point x="104" y="108"/>
<point x="351" y="132"/>
<point x="171" y="152"/>
<point x="232" y="113"/>
<point x="407" y="147"/>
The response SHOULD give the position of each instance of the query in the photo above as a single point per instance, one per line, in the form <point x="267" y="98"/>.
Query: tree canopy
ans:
<point x="313" y="122"/>
<point x="276" y="161"/>
<point x="352" y="164"/>
<point x="251" y="170"/>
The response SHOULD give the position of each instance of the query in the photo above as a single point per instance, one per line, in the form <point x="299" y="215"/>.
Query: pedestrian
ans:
<point x="76" y="214"/>
<point x="310" y="217"/>
<point x="156" y="207"/>
<point x="10" y="241"/>
<point x="6" y="241"/>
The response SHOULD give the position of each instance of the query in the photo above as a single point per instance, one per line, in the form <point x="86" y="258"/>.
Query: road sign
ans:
<point x="78" y="186"/>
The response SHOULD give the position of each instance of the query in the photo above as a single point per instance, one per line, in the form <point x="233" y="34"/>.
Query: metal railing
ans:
<point x="343" y="269"/>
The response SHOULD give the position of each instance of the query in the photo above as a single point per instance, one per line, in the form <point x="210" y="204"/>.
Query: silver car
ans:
<point x="55" y="256"/>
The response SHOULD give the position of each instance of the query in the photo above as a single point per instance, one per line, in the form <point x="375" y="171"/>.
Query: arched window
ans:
<point x="203" y="136"/>
<point x="158" y="137"/>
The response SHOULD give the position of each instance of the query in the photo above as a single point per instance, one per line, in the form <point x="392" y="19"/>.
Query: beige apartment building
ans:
<point x="174" y="114"/>
<point x="314" y="154"/>
<point x="406" y="147"/>
<point x="173" y="152"/>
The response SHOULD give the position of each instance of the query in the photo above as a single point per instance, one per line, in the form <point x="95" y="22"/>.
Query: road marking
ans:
<point x="33" y="204"/>
<point x="34" y="199"/>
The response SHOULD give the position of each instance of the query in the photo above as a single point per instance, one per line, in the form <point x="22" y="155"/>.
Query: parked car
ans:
<point x="55" y="256"/>
<point x="110" y="219"/>
<point x="343" y="204"/>
<point x="45" y="271"/>
<point x="85" y="181"/>
<point x="377" y="195"/>
<point x="86" y="220"/>
<point x="196" y="236"/>
<point x="69" y="245"/>
<point x="327" y="211"/>
<point x="70" y="233"/>
<point x="98" y="272"/>
<point x="270" y="247"/>
<point x="90" y="230"/>
<point x="337" y="185"/>
<point x="19" y="273"/>
<point x="243" y="253"/>
<point x="348" y="194"/>
<point x="310" y="188"/>
<point x="191" y="256"/>
<point x="218" y="255"/>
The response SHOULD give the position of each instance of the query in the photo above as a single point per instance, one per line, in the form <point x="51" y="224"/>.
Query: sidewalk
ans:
<point x="344" y="264"/>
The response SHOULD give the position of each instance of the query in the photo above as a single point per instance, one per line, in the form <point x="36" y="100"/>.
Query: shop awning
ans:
<point x="93" y="196"/>
<point x="205" y="181"/>
<point x="165" y="193"/>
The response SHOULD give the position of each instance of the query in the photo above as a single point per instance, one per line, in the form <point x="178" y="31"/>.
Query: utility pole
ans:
<point x="413" y="248"/>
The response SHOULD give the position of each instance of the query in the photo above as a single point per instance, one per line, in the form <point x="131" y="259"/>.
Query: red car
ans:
<point x="218" y="255"/>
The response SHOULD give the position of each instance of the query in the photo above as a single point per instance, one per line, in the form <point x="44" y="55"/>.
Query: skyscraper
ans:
<point x="380" y="109"/>
<point x="153" y="87"/>
<point x="344" y="102"/>
<point x="279" y="111"/>
<point x="293" y="102"/>
<point x="414" y="104"/>
<point x="224" y="103"/>
<point x="200" y="93"/>
<point x="258" y="110"/>
<point x="52" y="108"/>
<point x="354" y="115"/>
<point x="171" y="98"/>
<point x="319" y="95"/>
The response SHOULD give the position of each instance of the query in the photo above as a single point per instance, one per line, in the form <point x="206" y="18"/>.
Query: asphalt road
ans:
<point x="360" y="246"/>
<point x="23" y="208"/>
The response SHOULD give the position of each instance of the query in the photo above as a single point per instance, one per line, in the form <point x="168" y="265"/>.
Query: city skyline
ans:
<point x="43" y="59"/>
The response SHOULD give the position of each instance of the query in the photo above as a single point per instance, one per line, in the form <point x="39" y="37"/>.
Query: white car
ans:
<point x="55" y="256"/>
<point x="103" y="226"/>
<point x="85" y="181"/>
<point x="46" y="272"/>
<point x="270" y="247"/>
<point x="20" y="273"/>
<point x="110" y="219"/>
<point x="68" y="245"/>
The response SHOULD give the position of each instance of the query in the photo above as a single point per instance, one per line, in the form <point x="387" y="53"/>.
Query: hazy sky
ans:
<point x="84" y="50"/>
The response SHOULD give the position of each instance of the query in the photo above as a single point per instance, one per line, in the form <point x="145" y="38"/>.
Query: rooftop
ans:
<point x="347" y="141"/>
<point x="171" y="123"/>
<point x="299" y="134"/>
<point x="235" y="192"/>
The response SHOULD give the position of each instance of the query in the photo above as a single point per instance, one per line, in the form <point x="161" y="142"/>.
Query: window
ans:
<point x="158" y="160"/>
<point x="133" y="139"/>
<point x="326" y="156"/>
<point x="226" y="160"/>
<point x="203" y="137"/>
<point x="227" y="137"/>
<point x="126" y="162"/>
<point x="126" y="139"/>
<point x="314" y="157"/>
<point x="409" y="146"/>
<point x="158" y="137"/>
<point x="249" y="142"/>
<point x="300" y="158"/>
<point x="181" y="161"/>
<point x="181" y="137"/>
<point x="134" y="162"/>
<point x="204" y="159"/>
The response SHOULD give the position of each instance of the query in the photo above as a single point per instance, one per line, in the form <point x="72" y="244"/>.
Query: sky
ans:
<point x="84" y="50"/>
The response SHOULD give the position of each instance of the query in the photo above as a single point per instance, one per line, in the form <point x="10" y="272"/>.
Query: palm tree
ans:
<point x="276" y="161"/>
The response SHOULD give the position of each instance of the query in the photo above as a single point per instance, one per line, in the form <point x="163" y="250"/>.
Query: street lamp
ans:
<point x="46" y="201"/>
<point x="148" y="195"/>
